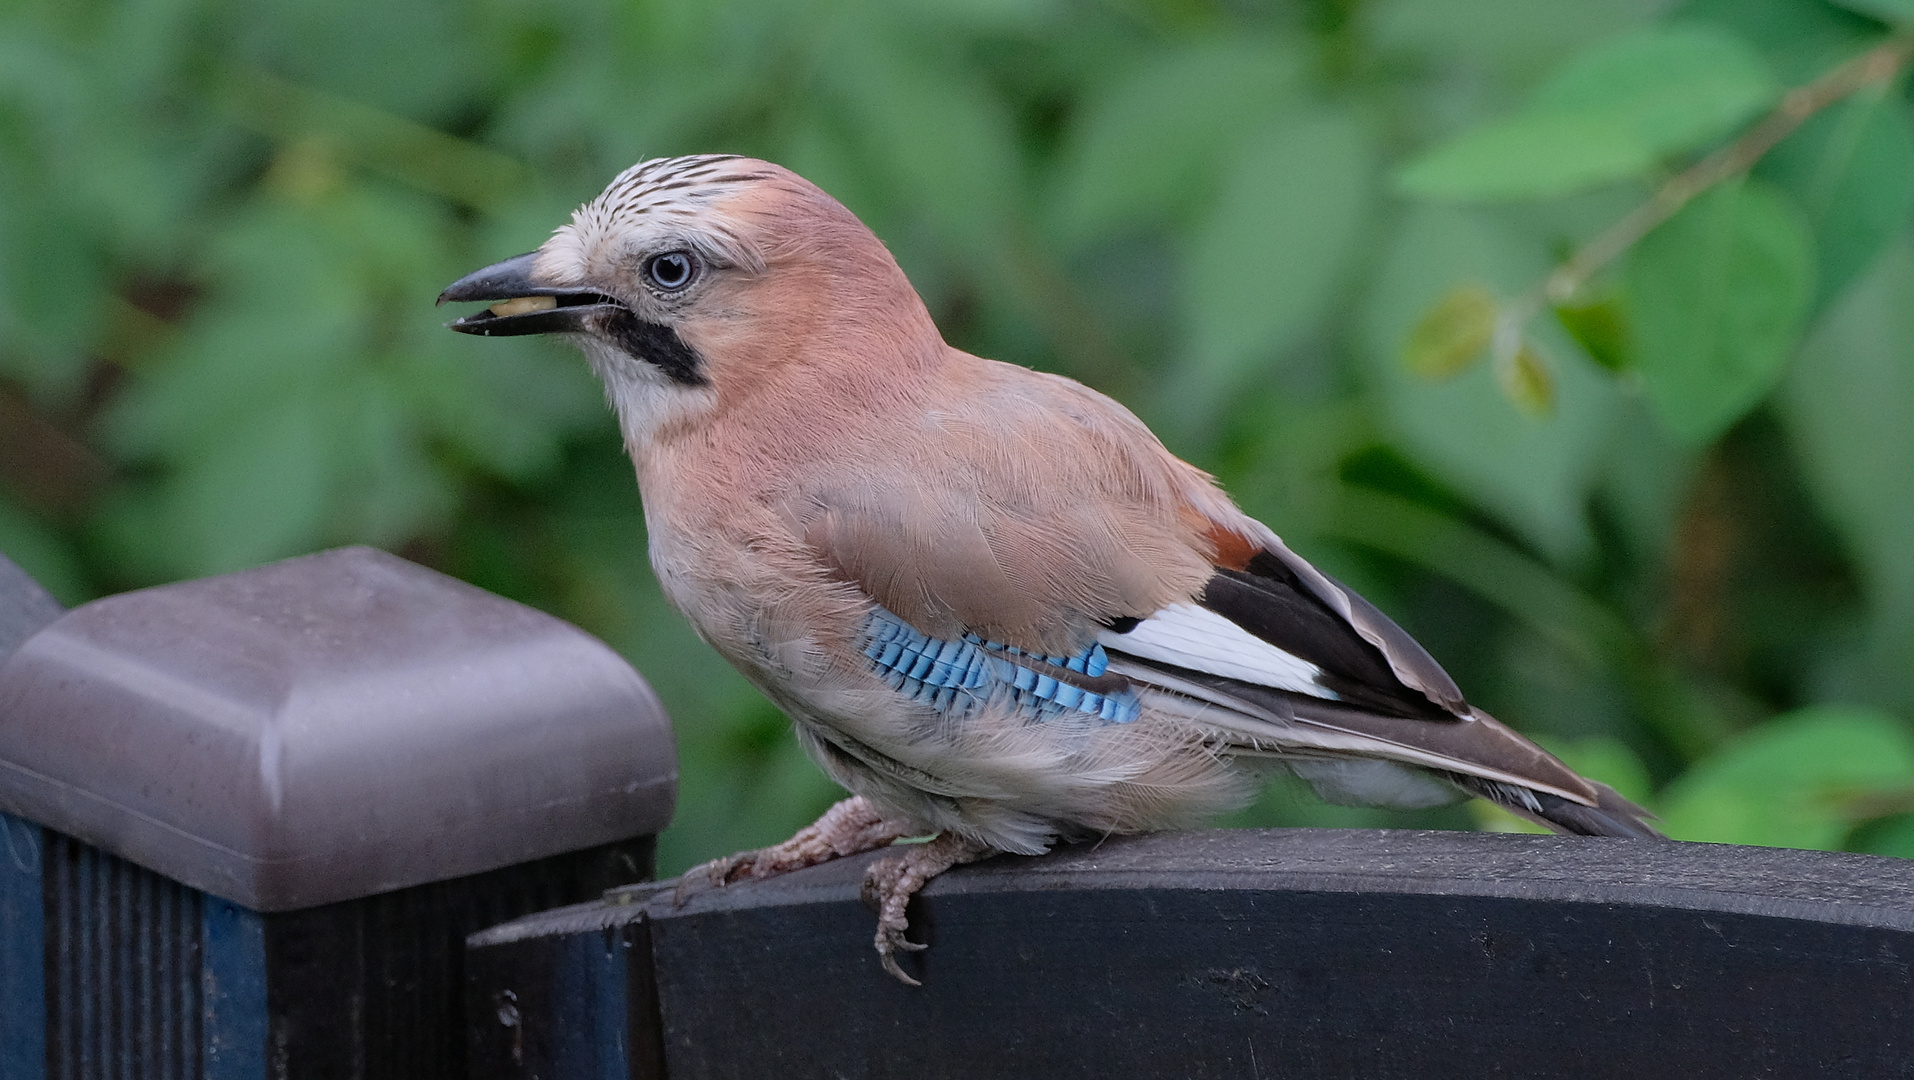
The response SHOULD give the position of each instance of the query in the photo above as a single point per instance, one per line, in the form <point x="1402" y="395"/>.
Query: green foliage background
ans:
<point x="1669" y="534"/>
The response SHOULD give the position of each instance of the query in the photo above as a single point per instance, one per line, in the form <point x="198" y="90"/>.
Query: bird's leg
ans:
<point x="891" y="881"/>
<point x="850" y="827"/>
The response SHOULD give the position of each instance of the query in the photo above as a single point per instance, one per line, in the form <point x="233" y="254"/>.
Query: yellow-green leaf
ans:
<point x="1527" y="381"/>
<point x="1453" y="334"/>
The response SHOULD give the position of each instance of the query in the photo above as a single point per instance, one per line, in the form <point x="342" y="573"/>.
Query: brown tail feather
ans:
<point x="1611" y="815"/>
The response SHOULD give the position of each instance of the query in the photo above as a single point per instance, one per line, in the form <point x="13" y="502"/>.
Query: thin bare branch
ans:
<point x="1871" y="68"/>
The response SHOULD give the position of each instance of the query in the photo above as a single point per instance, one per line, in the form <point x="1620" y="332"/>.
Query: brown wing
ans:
<point x="1061" y="514"/>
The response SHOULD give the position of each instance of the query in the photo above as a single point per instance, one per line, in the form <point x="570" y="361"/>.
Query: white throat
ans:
<point x="646" y="400"/>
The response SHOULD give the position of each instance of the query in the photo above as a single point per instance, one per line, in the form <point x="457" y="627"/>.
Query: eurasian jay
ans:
<point x="996" y="609"/>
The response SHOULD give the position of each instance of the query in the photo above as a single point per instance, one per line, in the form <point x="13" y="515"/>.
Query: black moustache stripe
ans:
<point x="656" y="344"/>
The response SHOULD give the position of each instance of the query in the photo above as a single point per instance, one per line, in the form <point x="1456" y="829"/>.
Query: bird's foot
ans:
<point x="850" y="827"/>
<point x="891" y="881"/>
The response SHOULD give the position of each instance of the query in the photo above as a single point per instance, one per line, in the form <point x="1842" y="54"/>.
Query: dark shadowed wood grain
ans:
<point x="1301" y="953"/>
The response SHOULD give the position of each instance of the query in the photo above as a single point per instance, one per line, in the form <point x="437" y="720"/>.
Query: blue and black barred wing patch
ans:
<point x="967" y="674"/>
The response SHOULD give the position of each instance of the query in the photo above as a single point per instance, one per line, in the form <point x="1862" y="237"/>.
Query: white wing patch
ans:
<point x="1201" y="640"/>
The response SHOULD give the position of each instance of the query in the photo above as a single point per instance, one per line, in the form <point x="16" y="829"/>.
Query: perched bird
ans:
<point x="995" y="607"/>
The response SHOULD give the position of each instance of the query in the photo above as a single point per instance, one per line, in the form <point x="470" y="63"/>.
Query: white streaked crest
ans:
<point x="662" y="200"/>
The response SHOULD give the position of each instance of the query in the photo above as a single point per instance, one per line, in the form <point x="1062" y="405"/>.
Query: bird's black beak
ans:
<point x="523" y="306"/>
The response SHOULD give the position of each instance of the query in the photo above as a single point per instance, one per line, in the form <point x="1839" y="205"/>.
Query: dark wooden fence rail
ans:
<point x="1253" y="954"/>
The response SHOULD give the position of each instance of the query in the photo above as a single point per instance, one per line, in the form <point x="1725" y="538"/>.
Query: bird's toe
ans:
<point x="890" y="942"/>
<point x="715" y="874"/>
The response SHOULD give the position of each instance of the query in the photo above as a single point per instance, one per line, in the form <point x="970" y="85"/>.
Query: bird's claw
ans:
<point x="850" y="827"/>
<point x="890" y="882"/>
<point x="722" y="872"/>
<point x="887" y="891"/>
<point x="891" y="940"/>
<point x="715" y="874"/>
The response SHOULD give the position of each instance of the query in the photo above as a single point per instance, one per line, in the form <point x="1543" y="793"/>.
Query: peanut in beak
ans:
<point x="523" y="304"/>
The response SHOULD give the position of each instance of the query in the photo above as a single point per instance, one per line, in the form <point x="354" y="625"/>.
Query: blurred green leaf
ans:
<point x="1674" y="87"/>
<point x="1155" y="137"/>
<point x="509" y="409"/>
<point x="1894" y="837"/>
<point x="369" y="49"/>
<point x="1265" y="264"/>
<point x="1851" y="171"/>
<point x="383" y="489"/>
<point x="1849" y="404"/>
<point x="1525" y="36"/>
<point x="406" y="150"/>
<point x="1798" y="38"/>
<point x="1608" y="760"/>
<point x="1490" y="567"/>
<point x="1453" y="334"/>
<point x="1646" y="481"/>
<point x="1793" y="781"/>
<point x="1531" y="474"/>
<point x="993" y="16"/>
<point x="36" y="548"/>
<point x="1611" y="113"/>
<point x="54" y="281"/>
<point x="1894" y="12"/>
<point x="257" y="493"/>
<point x="932" y="132"/>
<point x="599" y="81"/>
<point x="1716" y="299"/>
<point x="1599" y="325"/>
<point x="290" y="412"/>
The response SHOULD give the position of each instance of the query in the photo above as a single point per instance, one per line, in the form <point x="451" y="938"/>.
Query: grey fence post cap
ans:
<point x="326" y="728"/>
<point x="24" y="607"/>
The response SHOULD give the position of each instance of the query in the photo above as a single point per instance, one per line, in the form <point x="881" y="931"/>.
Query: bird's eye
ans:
<point x="673" y="270"/>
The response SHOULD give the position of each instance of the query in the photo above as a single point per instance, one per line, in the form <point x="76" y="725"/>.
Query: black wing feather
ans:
<point x="1284" y="601"/>
<point x="1279" y="612"/>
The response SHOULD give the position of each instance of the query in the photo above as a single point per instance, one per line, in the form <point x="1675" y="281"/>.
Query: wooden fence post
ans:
<point x="246" y="822"/>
